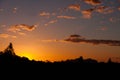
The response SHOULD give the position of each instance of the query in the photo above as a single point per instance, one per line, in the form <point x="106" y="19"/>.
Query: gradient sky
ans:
<point x="43" y="29"/>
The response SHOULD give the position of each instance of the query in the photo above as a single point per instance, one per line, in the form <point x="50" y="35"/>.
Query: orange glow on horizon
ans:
<point x="27" y="55"/>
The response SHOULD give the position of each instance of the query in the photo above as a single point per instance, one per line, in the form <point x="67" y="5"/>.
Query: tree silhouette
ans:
<point x="10" y="50"/>
<point x="109" y="60"/>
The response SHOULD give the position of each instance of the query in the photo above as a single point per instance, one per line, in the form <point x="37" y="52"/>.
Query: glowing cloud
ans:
<point x="1" y="10"/>
<point x="21" y="33"/>
<point x="100" y="9"/>
<point x="119" y="8"/>
<point x="15" y="10"/>
<point x="2" y="35"/>
<point x="104" y="9"/>
<point x="93" y="2"/>
<point x="103" y="28"/>
<point x="20" y="27"/>
<point x="66" y="17"/>
<point x="87" y="13"/>
<point x="75" y="7"/>
<point x="51" y="22"/>
<point x="45" y="14"/>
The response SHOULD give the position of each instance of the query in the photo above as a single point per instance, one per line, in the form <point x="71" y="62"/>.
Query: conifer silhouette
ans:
<point x="10" y="49"/>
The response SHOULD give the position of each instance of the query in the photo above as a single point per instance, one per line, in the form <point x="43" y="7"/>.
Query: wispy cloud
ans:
<point x="54" y="40"/>
<point x="93" y="2"/>
<point x="20" y="27"/>
<point x="51" y="22"/>
<point x="15" y="10"/>
<point x="2" y="25"/>
<point x="100" y="9"/>
<point x="21" y="33"/>
<point x="119" y="8"/>
<point x="1" y="9"/>
<point x="87" y="13"/>
<point x="66" y="17"/>
<point x="3" y="35"/>
<point x="104" y="9"/>
<point x="104" y="28"/>
<point x="75" y="7"/>
<point x="47" y="14"/>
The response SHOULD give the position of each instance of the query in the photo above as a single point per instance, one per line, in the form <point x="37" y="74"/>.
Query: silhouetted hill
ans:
<point x="11" y="62"/>
<point x="8" y="56"/>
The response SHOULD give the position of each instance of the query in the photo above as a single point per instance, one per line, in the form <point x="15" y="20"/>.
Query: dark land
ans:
<point x="11" y="62"/>
<point x="8" y="56"/>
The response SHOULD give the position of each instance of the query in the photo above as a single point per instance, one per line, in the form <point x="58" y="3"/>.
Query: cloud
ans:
<point x="119" y="8"/>
<point x="20" y="27"/>
<point x="27" y="27"/>
<point x="80" y="39"/>
<point x="1" y="10"/>
<point x="75" y="7"/>
<point x="15" y="10"/>
<point x="104" y="9"/>
<point x="93" y="2"/>
<point x="66" y="17"/>
<point x="47" y="14"/>
<point x="87" y="13"/>
<point x="51" y="22"/>
<point x="3" y="35"/>
<point x="21" y="33"/>
<point x="2" y="25"/>
<point x="113" y="19"/>
<point x="103" y="28"/>
<point x="54" y="40"/>
<point x="100" y="9"/>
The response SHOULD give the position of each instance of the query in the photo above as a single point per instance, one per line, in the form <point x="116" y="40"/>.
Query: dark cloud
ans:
<point x="80" y="39"/>
<point x="75" y="35"/>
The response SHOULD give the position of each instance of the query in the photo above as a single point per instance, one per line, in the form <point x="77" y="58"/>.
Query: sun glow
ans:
<point x="28" y="55"/>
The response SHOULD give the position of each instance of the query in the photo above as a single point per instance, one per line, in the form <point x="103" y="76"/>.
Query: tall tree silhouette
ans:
<point x="10" y="50"/>
<point x="109" y="60"/>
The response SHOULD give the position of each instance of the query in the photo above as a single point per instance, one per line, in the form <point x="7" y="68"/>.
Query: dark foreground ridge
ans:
<point x="11" y="62"/>
<point x="8" y="56"/>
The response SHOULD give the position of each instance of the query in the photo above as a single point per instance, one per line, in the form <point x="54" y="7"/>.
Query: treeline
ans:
<point x="8" y="56"/>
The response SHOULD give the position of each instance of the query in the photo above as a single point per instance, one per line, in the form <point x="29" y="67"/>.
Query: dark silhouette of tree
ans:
<point x="109" y="60"/>
<point x="10" y="50"/>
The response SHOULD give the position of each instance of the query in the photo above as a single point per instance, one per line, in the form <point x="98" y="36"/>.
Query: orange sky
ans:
<point x="61" y="29"/>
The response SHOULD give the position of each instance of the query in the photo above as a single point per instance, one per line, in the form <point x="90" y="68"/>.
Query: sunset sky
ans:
<point x="57" y="30"/>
